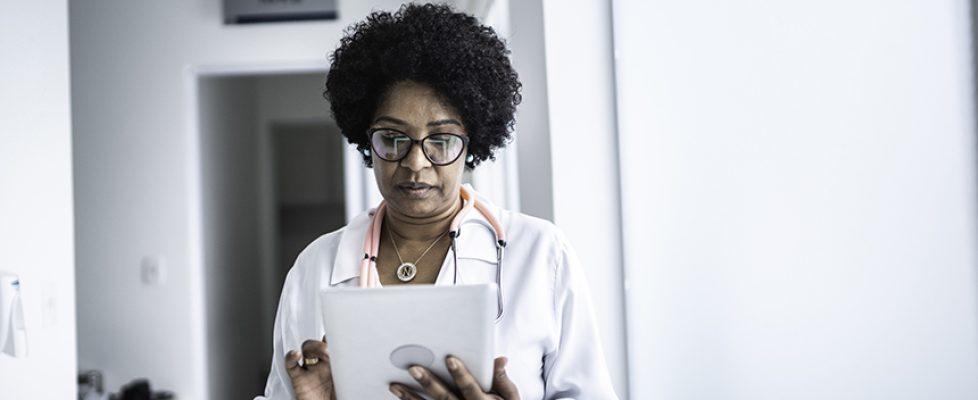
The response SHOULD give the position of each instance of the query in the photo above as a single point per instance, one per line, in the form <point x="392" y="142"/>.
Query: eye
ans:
<point x="439" y="140"/>
<point x="389" y="134"/>
<point x="444" y="136"/>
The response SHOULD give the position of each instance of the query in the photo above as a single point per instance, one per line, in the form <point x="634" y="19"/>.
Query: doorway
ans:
<point x="273" y="179"/>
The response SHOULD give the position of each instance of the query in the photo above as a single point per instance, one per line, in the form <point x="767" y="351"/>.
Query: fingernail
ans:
<point x="396" y="391"/>
<point x="415" y="372"/>
<point x="452" y="362"/>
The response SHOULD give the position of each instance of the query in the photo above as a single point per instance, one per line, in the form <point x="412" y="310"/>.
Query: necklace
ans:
<point x="407" y="271"/>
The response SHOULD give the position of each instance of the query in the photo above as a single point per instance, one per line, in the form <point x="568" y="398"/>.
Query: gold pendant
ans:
<point x="406" y="272"/>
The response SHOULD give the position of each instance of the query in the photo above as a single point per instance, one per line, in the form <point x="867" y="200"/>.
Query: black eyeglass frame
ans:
<point x="420" y="142"/>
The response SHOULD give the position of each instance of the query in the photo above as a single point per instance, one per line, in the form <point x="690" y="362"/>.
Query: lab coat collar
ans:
<point x="473" y="242"/>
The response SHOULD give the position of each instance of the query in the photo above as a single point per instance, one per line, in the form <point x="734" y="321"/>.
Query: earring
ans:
<point x="469" y="158"/>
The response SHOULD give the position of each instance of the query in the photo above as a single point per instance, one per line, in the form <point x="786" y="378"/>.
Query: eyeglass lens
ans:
<point x="440" y="148"/>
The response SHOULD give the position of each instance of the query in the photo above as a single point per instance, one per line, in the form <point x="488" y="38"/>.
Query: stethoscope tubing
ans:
<point x="369" y="277"/>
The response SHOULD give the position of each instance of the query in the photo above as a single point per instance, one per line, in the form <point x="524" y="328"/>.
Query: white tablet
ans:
<point x="374" y="335"/>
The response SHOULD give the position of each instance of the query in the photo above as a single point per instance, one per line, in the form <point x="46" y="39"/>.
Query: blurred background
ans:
<point x="771" y="200"/>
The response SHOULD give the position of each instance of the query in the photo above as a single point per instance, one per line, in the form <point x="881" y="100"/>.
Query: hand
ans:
<point x="311" y="381"/>
<point x="468" y="388"/>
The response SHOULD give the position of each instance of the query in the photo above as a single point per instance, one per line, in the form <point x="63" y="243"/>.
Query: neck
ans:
<point x="423" y="229"/>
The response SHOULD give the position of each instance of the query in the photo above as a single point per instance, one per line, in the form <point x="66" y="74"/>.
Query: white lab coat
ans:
<point x="547" y="329"/>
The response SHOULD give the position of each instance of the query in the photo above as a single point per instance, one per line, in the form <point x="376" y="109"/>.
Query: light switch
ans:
<point x="152" y="270"/>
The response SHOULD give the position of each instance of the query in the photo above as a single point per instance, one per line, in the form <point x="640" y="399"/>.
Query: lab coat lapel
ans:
<point x="346" y="264"/>
<point x="475" y="242"/>
<point x="476" y="247"/>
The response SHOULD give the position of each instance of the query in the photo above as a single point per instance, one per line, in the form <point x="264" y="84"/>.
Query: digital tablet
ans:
<point x="375" y="334"/>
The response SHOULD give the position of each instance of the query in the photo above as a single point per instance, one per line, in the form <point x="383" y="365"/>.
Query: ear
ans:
<point x="367" y="160"/>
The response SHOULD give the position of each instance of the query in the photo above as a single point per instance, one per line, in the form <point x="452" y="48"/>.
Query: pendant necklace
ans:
<point x="407" y="271"/>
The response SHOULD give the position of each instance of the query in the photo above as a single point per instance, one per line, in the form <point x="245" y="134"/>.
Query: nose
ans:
<point x="415" y="159"/>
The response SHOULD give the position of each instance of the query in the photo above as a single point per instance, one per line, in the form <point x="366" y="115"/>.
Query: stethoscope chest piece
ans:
<point x="406" y="272"/>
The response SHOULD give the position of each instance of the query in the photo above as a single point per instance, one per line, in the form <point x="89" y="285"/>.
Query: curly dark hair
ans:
<point x="461" y="59"/>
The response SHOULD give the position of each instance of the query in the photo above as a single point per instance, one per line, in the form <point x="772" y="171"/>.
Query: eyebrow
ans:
<point x="396" y="121"/>
<point x="445" y="122"/>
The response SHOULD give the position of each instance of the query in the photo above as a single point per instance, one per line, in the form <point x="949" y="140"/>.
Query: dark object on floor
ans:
<point x="136" y="390"/>
<point x="139" y="389"/>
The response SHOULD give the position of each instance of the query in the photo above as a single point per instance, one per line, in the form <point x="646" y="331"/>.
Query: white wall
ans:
<point x="799" y="199"/>
<point x="532" y="131"/>
<point x="134" y="167"/>
<point x="567" y="145"/>
<point x="37" y="228"/>
<point x="584" y="158"/>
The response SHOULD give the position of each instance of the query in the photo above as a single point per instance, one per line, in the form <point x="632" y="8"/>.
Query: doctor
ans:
<point x="424" y="93"/>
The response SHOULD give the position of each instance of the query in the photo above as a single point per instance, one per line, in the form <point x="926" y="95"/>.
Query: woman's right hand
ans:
<point x="311" y="381"/>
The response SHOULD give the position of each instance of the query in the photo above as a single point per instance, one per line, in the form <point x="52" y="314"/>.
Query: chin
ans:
<point x="418" y="208"/>
<point x="410" y="206"/>
<point x="415" y="208"/>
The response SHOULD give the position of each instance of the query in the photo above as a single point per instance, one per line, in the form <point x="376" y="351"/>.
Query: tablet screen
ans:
<point x="375" y="334"/>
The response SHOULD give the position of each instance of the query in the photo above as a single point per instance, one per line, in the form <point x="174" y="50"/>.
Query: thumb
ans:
<point x="292" y="364"/>
<point x="501" y="384"/>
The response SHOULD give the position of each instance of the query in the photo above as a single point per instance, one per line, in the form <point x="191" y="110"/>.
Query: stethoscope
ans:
<point x="370" y="278"/>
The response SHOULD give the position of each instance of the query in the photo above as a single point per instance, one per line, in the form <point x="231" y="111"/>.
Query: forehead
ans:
<point x="415" y="103"/>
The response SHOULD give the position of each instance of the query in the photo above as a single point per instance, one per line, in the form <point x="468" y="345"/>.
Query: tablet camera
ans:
<point x="407" y="355"/>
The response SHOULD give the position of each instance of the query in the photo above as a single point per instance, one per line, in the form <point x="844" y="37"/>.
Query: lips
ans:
<point x="414" y="185"/>
<point x="416" y="190"/>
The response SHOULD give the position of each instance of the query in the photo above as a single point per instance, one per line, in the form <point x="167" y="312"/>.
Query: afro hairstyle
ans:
<point x="461" y="59"/>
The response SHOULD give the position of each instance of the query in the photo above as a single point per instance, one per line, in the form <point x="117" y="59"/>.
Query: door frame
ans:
<point x="358" y="195"/>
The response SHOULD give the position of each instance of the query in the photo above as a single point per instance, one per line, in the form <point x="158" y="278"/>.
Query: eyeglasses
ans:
<point x="439" y="148"/>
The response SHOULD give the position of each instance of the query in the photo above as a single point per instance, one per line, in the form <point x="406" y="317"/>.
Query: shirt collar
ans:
<point x="474" y="241"/>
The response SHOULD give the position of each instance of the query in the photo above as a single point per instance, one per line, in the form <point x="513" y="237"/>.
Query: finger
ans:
<point x="292" y="363"/>
<point x="316" y="358"/>
<point x="431" y="384"/>
<point x="501" y="384"/>
<point x="403" y="392"/>
<point x="314" y="349"/>
<point x="464" y="380"/>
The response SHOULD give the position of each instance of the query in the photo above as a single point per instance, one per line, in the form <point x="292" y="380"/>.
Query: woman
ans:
<point x="424" y="93"/>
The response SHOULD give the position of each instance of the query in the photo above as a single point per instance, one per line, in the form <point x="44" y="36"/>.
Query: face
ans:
<point x="414" y="186"/>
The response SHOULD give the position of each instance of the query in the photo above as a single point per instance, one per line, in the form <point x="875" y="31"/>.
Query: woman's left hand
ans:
<point x="467" y="387"/>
